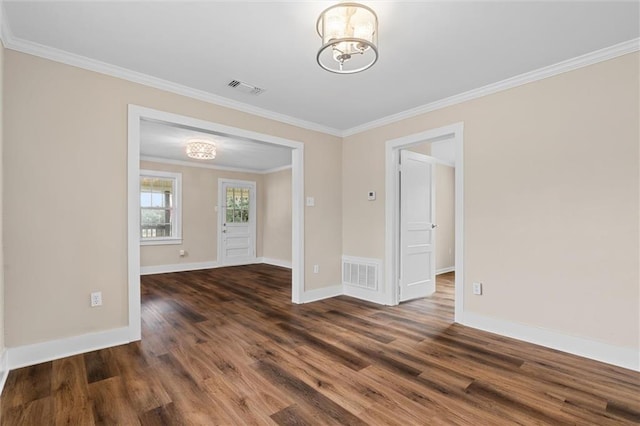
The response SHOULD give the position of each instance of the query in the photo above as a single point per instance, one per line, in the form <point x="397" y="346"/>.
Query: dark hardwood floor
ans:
<point x="226" y="346"/>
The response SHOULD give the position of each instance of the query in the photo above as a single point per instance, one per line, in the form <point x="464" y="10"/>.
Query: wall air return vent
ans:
<point x="245" y="88"/>
<point x="360" y="272"/>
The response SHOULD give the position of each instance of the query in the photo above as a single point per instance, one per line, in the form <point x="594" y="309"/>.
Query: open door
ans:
<point x="417" y="227"/>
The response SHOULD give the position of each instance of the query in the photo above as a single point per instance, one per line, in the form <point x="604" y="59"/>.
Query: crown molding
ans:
<point x="519" y="80"/>
<point x="276" y="169"/>
<point x="57" y="55"/>
<point x="4" y="25"/>
<point x="210" y="166"/>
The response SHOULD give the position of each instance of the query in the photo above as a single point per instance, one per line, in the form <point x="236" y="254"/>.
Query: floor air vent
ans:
<point x="360" y="272"/>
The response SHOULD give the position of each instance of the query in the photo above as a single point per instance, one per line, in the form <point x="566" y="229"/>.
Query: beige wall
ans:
<point x="445" y="217"/>
<point x="65" y="216"/>
<point x="276" y="241"/>
<point x="199" y="216"/>
<point x="551" y="217"/>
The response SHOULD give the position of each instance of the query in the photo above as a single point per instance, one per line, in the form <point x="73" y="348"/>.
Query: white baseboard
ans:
<point x="23" y="356"/>
<point x="365" y="294"/>
<point x="321" y="293"/>
<point x="183" y="267"/>
<point x="178" y="267"/>
<point x="445" y="270"/>
<point x="275" y="262"/>
<point x="4" y="369"/>
<point x="599" y="351"/>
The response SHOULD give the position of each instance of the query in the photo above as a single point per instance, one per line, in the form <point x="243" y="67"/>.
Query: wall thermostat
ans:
<point x="371" y="195"/>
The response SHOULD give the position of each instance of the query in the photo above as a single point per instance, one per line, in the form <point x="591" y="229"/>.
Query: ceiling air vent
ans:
<point x="245" y="88"/>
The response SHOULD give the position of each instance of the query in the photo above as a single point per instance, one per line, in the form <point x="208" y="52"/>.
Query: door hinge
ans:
<point x="399" y="289"/>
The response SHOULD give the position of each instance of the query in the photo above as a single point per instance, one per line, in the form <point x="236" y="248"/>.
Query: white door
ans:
<point x="237" y="222"/>
<point x="417" y="227"/>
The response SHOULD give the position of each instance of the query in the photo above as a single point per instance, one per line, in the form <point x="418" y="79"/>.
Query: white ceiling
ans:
<point x="428" y="50"/>
<point x="163" y="141"/>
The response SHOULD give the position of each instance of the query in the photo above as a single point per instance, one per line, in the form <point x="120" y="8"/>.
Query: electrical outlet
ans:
<point x="477" y="289"/>
<point x="316" y="269"/>
<point x="182" y="253"/>
<point x="96" y="299"/>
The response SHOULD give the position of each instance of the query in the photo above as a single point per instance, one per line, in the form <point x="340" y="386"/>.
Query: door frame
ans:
<point x="252" y="217"/>
<point x="138" y="113"/>
<point x="452" y="132"/>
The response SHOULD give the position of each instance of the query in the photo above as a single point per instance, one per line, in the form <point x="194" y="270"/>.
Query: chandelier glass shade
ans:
<point x="201" y="149"/>
<point x="349" y="33"/>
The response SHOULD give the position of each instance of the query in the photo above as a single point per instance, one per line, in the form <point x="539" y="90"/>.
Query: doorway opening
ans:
<point x="136" y="116"/>
<point x="453" y="135"/>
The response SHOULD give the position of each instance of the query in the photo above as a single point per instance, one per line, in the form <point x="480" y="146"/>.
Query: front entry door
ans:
<point x="417" y="227"/>
<point x="237" y="220"/>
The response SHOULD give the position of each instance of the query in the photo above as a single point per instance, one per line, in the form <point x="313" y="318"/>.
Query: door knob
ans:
<point x="433" y="225"/>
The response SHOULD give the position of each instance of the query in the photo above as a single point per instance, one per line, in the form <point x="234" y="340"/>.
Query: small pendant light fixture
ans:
<point x="201" y="149"/>
<point x="349" y="33"/>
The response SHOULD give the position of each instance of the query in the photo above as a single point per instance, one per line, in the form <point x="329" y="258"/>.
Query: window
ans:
<point x="237" y="205"/>
<point x="160" y="207"/>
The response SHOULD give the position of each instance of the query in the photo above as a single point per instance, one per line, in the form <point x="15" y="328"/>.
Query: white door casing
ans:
<point x="417" y="227"/>
<point x="136" y="114"/>
<point x="393" y="147"/>
<point x="236" y="222"/>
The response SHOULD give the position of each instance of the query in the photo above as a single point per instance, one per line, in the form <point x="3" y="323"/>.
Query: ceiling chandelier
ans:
<point x="349" y="33"/>
<point x="201" y="149"/>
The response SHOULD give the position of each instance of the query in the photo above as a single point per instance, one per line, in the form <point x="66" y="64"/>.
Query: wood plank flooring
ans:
<point x="225" y="346"/>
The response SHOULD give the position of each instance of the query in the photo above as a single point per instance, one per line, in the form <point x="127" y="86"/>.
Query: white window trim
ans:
<point x="177" y="238"/>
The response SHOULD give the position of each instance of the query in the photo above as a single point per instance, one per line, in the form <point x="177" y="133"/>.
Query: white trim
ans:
<point x="444" y="163"/>
<point x="161" y="160"/>
<point x="592" y="349"/>
<point x="23" y="356"/>
<point x="133" y="221"/>
<point x="163" y="241"/>
<point x="365" y="294"/>
<point x="4" y="368"/>
<point x="275" y="262"/>
<point x="445" y="270"/>
<point x="572" y="64"/>
<point x="459" y="222"/>
<point x="83" y="62"/>
<point x="297" y="224"/>
<point x="321" y="293"/>
<point x="57" y="55"/>
<point x="177" y="267"/>
<point x="392" y="148"/>
<point x="275" y="169"/>
<point x="135" y="115"/>
<point x="4" y="30"/>
<point x="196" y="266"/>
